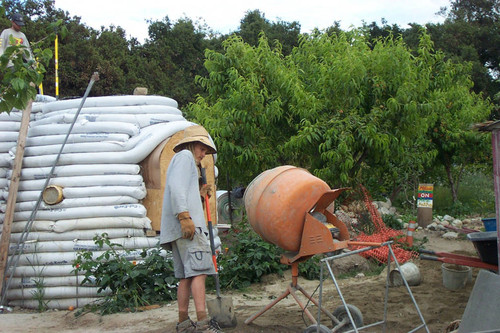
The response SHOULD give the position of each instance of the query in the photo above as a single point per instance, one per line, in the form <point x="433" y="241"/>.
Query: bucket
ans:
<point x="490" y="224"/>
<point x="410" y="272"/>
<point x="455" y="277"/>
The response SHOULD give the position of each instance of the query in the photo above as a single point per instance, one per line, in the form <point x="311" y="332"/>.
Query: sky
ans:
<point x="224" y="16"/>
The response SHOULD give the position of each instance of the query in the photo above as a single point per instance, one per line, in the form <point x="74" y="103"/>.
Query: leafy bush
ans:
<point x="131" y="285"/>
<point x="392" y="221"/>
<point x="248" y="259"/>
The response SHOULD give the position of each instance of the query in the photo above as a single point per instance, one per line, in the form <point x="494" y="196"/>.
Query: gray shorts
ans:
<point x="192" y="257"/>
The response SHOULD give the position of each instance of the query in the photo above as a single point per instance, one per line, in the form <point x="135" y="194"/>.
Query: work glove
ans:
<point x="206" y="189"/>
<point x="187" y="225"/>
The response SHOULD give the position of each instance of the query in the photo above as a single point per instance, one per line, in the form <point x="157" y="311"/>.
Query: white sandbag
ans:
<point x="12" y="116"/>
<point x="107" y="101"/>
<point x="10" y="126"/>
<point x="133" y="210"/>
<point x="147" y="133"/>
<point x="138" y="192"/>
<point x="42" y="271"/>
<point x="5" y="146"/>
<point x="158" y="133"/>
<point x="82" y="181"/>
<point x="87" y="245"/>
<point x="44" y="98"/>
<point x="83" y="127"/>
<point x="80" y="234"/>
<point x="5" y="160"/>
<point x="55" y="292"/>
<point x="59" y="304"/>
<point x="4" y="183"/>
<point x="65" y="258"/>
<point x="79" y="202"/>
<point x="52" y="281"/>
<point x="77" y="170"/>
<point x="113" y="110"/>
<point x="84" y="224"/>
<point x="141" y="120"/>
<point x="74" y="138"/>
<point x="9" y="136"/>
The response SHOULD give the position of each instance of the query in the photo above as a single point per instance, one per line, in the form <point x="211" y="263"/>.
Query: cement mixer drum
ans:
<point x="277" y="201"/>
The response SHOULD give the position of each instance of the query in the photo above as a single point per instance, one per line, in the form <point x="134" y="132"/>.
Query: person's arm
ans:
<point x="3" y="42"/>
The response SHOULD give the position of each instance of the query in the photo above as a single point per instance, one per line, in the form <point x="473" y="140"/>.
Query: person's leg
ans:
<point x="198" y="292"/>
<point x="183" y="294"/>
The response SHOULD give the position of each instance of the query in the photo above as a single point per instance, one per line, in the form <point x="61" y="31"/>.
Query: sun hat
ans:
<point x="17" y="19"/>
<point x="196" y="133"/>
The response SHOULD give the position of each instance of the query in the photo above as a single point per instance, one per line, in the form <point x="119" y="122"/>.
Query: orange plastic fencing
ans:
<point x="382" y="234"/>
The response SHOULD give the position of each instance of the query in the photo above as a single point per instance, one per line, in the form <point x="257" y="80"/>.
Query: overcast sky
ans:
<point x="224" y="15"/>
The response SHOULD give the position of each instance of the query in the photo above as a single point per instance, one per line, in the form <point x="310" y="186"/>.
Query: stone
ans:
<point x="450" y="235"/>
<point x="457" y="224"/>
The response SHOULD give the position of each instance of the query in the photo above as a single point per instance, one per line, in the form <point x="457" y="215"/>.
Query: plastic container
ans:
<point x="410" y="272"/>
<point x="486" y="246"/>
<point x="277" y="201"/>
<point x="490" y="224"/>
<point x="455" y="277"/>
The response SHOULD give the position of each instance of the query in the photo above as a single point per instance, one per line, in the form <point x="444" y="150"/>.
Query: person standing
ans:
<point x="19" y="38"/>
<point x="183" y="229"/>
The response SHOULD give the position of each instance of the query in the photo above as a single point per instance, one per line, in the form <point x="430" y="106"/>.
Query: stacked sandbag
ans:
<point x="100" y="183"/>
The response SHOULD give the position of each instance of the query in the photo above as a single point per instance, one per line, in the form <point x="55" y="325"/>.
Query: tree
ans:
<point x="347" y="110"/>
<point x="254" y="24"/>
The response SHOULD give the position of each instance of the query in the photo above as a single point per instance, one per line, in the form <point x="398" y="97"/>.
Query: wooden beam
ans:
<point x="13" y="187"/>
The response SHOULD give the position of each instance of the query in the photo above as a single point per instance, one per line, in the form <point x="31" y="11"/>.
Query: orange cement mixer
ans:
<point x="287" y="206"/>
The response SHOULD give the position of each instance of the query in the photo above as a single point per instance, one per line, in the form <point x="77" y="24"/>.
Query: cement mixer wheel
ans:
<point x="314" y="329"/>
<point x="341" y="314"/>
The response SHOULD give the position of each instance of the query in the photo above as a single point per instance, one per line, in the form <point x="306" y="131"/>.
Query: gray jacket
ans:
<point x="182" y="194"/>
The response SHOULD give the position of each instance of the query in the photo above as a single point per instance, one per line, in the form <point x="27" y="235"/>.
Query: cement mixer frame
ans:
<point x="349" y="319"/>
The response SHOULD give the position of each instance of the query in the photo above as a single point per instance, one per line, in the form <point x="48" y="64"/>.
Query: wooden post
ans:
<point x="11" y="200"/>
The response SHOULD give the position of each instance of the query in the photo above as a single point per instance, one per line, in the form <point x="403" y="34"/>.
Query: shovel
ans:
<point x="220" y="308"/>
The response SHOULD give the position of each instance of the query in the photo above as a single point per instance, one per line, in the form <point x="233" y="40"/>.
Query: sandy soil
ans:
<point x="438" y="305"/>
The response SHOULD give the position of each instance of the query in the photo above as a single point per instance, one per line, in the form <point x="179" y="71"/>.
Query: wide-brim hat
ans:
<point x="196" y="133"/>
<point x="17" y="19"/>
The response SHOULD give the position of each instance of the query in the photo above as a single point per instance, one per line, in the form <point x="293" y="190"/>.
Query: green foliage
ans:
<point x="39" y="294"/>
<point x="311" y="268"/>
<point x="130" y="285"/>
<point x="392" y="221"/>
<point x="249" y="258"/>
<point x="476" y="196"/>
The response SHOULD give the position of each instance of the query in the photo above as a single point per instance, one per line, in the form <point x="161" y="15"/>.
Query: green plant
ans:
<point x="392" y="221"/>
<point x="39" y="294"/>
<point x="248" y="258"/>
<point x="310" y="269"/>
<point x="130" y="285"/>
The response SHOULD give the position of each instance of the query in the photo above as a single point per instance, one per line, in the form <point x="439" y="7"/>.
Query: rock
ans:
<point x="384" y="211"/>
<point x="349" y="263"/>
<point x="443" y="223"/>
<point x="360" y="275"/>
<point x="432" y="226"/>
<point x="447" y="218"/>
<point x="457" y="224"/>
<point x="450" y="235"/>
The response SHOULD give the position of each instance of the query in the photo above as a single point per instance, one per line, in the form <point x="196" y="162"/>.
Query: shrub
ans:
<point x="248" y="259"/>
<point x="150" y="281"/>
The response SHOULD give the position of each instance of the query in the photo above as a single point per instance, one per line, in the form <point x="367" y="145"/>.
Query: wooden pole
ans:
<point x="11" y="200"/>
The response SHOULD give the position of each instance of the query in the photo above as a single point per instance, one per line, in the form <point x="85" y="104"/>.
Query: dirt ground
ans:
<point x="439" y="306"/>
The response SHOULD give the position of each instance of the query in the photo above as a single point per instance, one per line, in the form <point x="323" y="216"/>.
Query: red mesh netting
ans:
<point x="382" y="234"/>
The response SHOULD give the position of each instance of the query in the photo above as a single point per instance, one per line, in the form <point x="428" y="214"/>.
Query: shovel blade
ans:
<point x="221" y="309"/>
